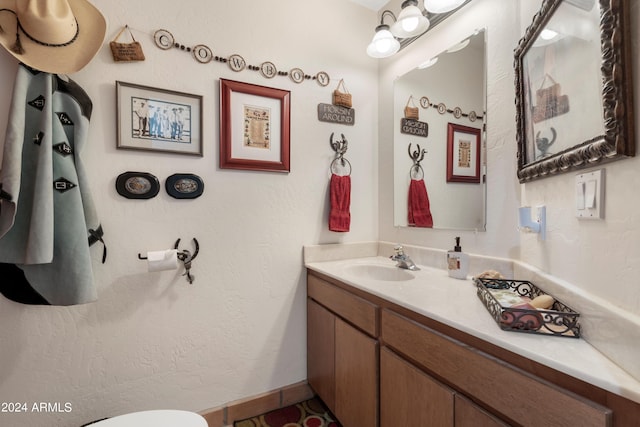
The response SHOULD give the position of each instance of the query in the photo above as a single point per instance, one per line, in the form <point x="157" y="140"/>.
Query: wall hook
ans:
<point x="186" y="258"/>
<point x="196" y="244"/>
<point x="417" y="156"/>
<point x="340" y="147"/>
<point x="529" y="225"/>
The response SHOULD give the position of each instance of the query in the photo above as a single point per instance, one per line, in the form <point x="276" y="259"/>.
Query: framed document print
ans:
<point x="463" y="154"/>
<point x="254" y="127"/>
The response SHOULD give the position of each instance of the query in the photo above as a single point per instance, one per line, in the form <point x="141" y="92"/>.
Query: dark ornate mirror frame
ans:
<point x="618" y="140"/>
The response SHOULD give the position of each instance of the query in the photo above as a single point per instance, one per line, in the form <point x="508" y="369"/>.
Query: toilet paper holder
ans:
<point x="185" y="256"/>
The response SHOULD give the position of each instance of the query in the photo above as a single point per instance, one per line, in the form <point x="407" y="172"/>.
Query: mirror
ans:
<point x="574" y="88"/>
<point x="439" y="144"/>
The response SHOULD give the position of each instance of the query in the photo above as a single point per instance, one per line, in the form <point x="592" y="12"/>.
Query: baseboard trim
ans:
<point x="256" y="405"/>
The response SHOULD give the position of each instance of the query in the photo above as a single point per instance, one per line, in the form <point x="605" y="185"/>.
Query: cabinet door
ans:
<point x="411" y="398"/>
<point x="467" y="414"/>
<point x="509" y="391"/>
<point x="356" y="373"/>
<point x="320" y="352"/>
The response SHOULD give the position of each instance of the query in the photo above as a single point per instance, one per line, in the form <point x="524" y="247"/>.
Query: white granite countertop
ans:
<point x="432" y="293"/>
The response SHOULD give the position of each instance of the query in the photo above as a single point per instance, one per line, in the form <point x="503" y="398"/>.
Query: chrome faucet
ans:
<point x="403" y="260"/>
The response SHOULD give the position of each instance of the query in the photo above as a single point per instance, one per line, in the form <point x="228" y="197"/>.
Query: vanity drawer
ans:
<point x="497" y="385"/>
<point x="355" y="310"/>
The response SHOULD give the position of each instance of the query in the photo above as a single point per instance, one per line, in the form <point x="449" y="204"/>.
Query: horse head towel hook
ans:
<point x="417" y="156"/>
<point x="186" y="257"/>
<point x="340" y="146"/>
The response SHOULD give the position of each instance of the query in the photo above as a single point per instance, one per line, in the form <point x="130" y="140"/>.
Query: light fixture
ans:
<point x="428" y="63"/>
<point x="409" y="25"/>
<point x="547" y="34"/>
<point x="546" y="37"/>
<point x="442" y="6"/>
<point x="383" y="44"/>
<point x="459" y="46"/>
<point x="411" y="22"/>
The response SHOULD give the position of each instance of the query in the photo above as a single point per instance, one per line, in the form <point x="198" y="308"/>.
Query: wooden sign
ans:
<point x="414" y="127"/>
<point x="336" y="114"/>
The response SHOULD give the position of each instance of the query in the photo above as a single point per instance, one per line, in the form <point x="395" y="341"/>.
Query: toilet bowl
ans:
<point x="156" y="418"/>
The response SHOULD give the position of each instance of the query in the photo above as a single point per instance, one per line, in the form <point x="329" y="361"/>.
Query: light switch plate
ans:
<point x="590" y="195"/>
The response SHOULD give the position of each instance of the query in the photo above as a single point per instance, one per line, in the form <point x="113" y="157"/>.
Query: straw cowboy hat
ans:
<point x="54" y="36"/>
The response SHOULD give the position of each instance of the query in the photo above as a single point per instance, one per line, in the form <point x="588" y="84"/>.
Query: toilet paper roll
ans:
<point x="162" y="260"/>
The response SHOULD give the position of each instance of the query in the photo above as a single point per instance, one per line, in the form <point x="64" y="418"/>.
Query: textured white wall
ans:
<point x="153" y="340"/>
<point x="600" y="257"/>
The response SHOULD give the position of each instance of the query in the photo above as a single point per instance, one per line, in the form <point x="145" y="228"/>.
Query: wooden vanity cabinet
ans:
<point x="321" y="352"/>
<point x="508" y="392"/>
<point x="342" y="353"/>
<point x="410" y="397"/>
<point x="375" y="363"/>
<point x="468" y="414"/>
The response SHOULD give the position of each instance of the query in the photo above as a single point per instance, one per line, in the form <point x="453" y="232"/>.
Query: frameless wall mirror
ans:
<point x="439" y="140"/>
<point x="574" y="88"/>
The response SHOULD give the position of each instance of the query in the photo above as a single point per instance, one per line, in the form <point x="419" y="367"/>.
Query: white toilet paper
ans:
<point x="162" y="260"/>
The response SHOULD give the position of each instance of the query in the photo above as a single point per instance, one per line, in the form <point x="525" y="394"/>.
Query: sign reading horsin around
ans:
<point x="414" y="127"/>
<point x="336" y="114"/>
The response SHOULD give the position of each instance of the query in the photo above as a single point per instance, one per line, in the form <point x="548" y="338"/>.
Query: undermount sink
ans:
<point x="379" y="272"/>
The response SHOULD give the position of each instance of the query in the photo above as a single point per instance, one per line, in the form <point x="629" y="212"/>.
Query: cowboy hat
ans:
<point x="54" y="36"/>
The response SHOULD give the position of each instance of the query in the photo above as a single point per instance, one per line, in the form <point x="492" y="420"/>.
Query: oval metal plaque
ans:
<point x="137" y="185"/>
<point x="184" y="186"/>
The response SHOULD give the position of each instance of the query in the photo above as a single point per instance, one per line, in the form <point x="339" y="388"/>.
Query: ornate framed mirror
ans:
<point x="574" y="96"/>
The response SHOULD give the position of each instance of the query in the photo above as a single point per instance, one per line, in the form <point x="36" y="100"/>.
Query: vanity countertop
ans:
<point x="432" y="293"/>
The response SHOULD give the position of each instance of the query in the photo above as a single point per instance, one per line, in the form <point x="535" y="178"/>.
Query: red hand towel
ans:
<point x="340" y="194"/>
<point x="419" y="209"/>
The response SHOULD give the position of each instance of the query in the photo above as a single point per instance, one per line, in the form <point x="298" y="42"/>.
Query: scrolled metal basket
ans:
<point x="559" y="320"/>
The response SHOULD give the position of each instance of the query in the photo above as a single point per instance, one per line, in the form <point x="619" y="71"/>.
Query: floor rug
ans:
<point x="310" y="413"/>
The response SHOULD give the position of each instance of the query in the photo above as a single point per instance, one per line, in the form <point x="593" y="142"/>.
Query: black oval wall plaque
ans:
<point x="184" y="186"/>
<point x="137" y="185"/>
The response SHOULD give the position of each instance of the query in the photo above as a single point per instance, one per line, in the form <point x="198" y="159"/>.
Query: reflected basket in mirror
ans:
<point x="549" y="101"/>
<point x="411" y="112"/>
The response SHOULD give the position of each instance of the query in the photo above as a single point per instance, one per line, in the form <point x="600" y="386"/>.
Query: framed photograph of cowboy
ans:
<point x="463" y="153"/>
<point x="254" y="127"/>
<point x="158" y="119"/>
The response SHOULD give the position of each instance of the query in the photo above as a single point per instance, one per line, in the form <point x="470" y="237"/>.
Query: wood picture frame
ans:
<point x="254" y="127"/>
<point x="153" y="119"/>
<point x="463" y="154"/>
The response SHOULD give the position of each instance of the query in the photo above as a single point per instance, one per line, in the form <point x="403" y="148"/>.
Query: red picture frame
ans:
<point x="254" y="127"/>
<point x="463" y="154"/>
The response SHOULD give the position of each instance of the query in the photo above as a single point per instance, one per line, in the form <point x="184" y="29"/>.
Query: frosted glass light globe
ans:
<point x="441" y="6"/>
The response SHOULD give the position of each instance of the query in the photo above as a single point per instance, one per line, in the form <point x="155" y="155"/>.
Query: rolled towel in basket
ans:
<point x="340" y="195"/>
<point x="419" y="208"/>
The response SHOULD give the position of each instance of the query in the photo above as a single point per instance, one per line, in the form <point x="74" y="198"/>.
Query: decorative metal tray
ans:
<point x="497" y="294"/>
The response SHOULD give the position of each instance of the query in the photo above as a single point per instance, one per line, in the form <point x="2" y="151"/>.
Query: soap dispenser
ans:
<point x="457" y="262"/>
